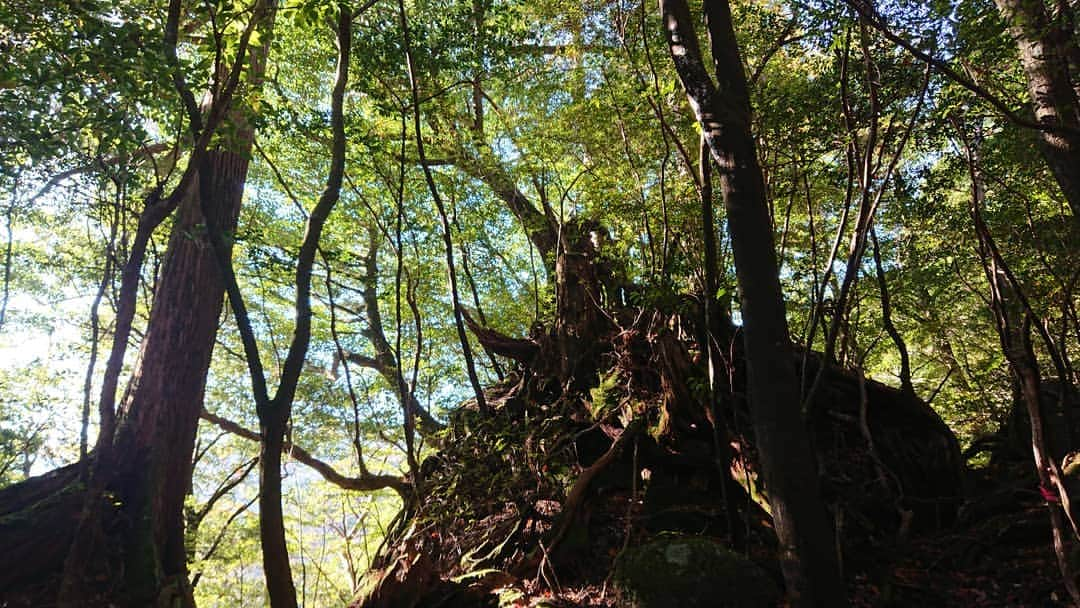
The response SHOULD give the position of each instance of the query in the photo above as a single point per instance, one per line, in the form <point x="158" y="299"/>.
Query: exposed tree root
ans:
<point x="546" y="475"/>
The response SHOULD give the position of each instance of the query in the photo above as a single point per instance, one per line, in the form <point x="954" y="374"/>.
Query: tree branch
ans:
<point x="366" y="483"/>
<point x="867" y="11"/>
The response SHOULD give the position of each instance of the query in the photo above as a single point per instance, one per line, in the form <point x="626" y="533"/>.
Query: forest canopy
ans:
<point x="330" y="302"/>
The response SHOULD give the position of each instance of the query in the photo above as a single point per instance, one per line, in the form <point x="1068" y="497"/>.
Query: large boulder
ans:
<point x="690" y="571"/>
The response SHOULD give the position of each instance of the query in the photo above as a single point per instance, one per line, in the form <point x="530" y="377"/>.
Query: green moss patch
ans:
<point x="685" y="572"/>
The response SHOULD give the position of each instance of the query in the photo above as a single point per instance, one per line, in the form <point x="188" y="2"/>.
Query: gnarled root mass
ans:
<point x="569" y="473"/>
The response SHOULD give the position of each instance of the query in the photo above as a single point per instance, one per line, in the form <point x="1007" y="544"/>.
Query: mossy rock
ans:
<point x="686" y="571"/>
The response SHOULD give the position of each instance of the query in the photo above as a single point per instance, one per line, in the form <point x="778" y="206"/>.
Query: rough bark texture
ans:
<point x="128" y="525"/>
<point x="787" y="461"/>
<point x="141" y="553"/>
<point x="161" y="413"/>
<point x="1046" y="42"/>
<point x="579" y="300"/>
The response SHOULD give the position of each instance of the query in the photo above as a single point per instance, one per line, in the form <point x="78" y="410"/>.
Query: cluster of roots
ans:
<point x="630" y="440"/>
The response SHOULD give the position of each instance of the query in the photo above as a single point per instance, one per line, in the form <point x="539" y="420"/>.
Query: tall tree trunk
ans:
<point x="1013" y="325"/>
<point x="160" y="415"/>
<point x="1046" y="41"/>
<point x="807" y="557"/>
<point x="127" y="546"/>
<point x="274" y="413"/>
<point x="158" y="418"/>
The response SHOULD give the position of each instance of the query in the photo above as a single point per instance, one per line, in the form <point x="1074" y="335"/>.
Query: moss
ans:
<point x="605" y="396"/>
<point x="28" y="515"/>
<point x="1071" y="466"/>
<point x="686" y="571"/>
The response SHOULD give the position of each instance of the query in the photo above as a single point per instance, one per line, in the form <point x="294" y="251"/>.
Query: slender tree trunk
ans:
<point x="385" y="360"/>
<point x="808" y="558"/>
<point x="274" y="413"/>
<point x="864" y="217"/>
<point x="886" y="319"/>
<point x="1015" y="338"/>
<point x="451" y="269"/>
<point x="275" y="553"/>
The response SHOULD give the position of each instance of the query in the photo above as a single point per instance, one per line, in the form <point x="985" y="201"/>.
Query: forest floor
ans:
<point x="999" y="554"/>
<point x="1002" y="560"/>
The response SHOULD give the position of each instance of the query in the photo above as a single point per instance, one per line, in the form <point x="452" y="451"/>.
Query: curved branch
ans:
<point x="523" y="350"/>
<point x="867" y="12"/>
<point x="365" y="483"/>
<point x="481" y="164"/>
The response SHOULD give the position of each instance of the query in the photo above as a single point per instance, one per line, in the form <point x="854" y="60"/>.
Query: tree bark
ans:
<point x="125" y="544"/>
<point x="1015" y="337"/>
<point x="807" y="557"/>
<point x="159" y="417"/>
<point x="886" y="319"/>
<point x="275" y="553"/>
<point x="479" y="161"/>
<point x="161" y="414"/>
<point x="1046" y="42"/>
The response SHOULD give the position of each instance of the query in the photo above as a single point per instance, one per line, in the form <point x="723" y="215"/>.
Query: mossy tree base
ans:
<point x="500" y="513"/>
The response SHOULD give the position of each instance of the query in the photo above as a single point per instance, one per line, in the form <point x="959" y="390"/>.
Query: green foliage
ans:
<point x="74" y="78"/>
<point x="582" y="114"/>
<point x="605" y="396"/>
